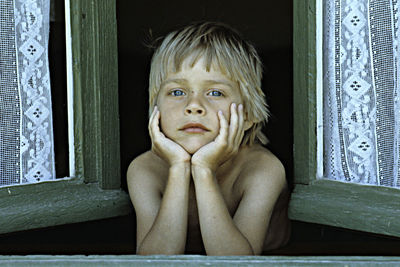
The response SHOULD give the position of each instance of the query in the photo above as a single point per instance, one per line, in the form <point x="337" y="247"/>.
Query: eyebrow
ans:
<point x="184" y="81"/>
<point x="224" y="82"/>
<point x="180" y="81"/>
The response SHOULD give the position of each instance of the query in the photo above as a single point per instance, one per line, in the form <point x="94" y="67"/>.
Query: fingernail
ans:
<point x="234" y="105"/>
<point x="240" y="106"/>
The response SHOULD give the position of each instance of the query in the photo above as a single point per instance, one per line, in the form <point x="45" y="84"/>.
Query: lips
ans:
<point x="194" y="128"/>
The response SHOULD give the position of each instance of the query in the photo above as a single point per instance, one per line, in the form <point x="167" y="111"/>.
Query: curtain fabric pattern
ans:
<point x="361" y="92"/>
<point x="26" y="129"/>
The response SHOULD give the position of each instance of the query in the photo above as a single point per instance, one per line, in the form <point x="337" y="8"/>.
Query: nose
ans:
<point x="194" y="107"/>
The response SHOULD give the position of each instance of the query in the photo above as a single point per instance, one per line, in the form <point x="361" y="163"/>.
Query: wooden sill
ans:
<point x="58" y="203"/>
<point x="360" y="207"/>
<point x="185" y="260"/>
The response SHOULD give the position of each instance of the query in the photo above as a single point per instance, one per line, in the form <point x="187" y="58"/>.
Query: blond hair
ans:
<point x="224" y="48"/>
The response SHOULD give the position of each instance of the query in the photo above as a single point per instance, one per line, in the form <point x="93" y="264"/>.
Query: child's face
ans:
<point x="189" y="101"/>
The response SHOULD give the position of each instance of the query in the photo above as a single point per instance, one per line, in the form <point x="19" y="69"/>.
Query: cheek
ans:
<point x="170" y="121"/>
<point x="163" y="124"/>
<point x="165" y="121"/>
<point x="166" y="125"/>
<point x="226" y="110"/>
<point x="224" y="106"/>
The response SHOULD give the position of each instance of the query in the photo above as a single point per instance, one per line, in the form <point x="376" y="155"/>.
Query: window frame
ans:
<point x="358" y="207"/>
<point x="95" y="190"/>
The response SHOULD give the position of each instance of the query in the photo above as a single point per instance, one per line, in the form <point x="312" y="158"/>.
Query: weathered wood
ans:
<point x="195" y="260"/>
<point x="96" y="133"/>
<point x="365" y="208"/>
<point x="304" y="94"/>
<point x="60" y="203"/>
<point x="77" y="88"/>
<point x="95" y="67"/>
<point x="37" y="188"/>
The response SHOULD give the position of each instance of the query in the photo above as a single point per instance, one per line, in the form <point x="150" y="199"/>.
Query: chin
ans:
<point x="192" y="148"/>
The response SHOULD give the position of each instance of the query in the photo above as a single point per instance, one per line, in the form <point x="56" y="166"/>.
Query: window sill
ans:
<point x="58" y="203"/>
<point x="195" y="260"/>
<point x="366" y="208"/>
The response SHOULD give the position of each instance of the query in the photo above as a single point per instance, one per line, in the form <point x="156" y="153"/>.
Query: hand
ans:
<point x="164" y="147"/>
<point x="226" y="144"/>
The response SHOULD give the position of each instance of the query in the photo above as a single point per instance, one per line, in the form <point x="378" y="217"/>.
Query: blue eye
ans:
<point x="215" y="93"/>
<point x="177" y="92"/>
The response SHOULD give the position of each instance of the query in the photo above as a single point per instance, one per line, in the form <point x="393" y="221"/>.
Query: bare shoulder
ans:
<point x="146" y="171"/>
<point x="262" y="184"/>
<point x="146" y="162"/>
<point x="261" y="167"/>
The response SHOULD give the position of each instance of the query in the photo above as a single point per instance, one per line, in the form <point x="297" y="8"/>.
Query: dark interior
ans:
<point x="268" y="25"/>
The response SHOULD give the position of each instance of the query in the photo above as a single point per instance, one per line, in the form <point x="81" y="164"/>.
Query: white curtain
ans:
<point x="361" y="92"/>
<point x="26" y="129"/>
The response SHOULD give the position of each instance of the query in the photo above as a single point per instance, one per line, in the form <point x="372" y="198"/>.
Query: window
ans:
<point x="369" y="208"/>
<point x="93" y="192"/>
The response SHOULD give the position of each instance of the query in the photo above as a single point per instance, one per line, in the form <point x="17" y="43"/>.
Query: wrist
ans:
<point x="179" y="162"/>
<point x="180" y="167"/>
<point x="201" y="165"/>
<point x="179" y="175"/>
<point x="202" y="172"/>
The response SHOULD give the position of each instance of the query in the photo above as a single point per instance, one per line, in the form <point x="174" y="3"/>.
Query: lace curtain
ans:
<point x="361" y="92"/>
<point x="26" y="133"/>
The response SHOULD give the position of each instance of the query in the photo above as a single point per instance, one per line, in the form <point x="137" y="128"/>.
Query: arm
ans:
<point x="161" y="220"/>
<point x="219" y="232"/>
<point x="263" y="181"/>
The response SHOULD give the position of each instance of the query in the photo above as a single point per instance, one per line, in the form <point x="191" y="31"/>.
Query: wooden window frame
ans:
<point x="94" y="192"/>
<point x="359" y="207"/>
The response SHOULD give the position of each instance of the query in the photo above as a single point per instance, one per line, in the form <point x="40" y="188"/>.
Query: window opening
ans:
<point x="58" y="79"/>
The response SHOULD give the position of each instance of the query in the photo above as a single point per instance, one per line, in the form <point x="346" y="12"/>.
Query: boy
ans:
<point x="207" y="185"/>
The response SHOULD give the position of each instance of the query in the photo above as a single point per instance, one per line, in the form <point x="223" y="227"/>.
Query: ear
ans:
<point x="247" y="125"/>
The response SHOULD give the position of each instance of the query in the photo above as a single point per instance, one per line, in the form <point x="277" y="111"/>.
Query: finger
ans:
<point x="151" y="130"/>
<point x="233" y="125"/>
<point x="152" y="115"/>
<point x="154" y="123"/>
<point x="151" y="120"/>
<point x="240" y="130"/>
<point x="149" y="126"/>
<point x="155" y="133"/>
<point x="223" y="129"/>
